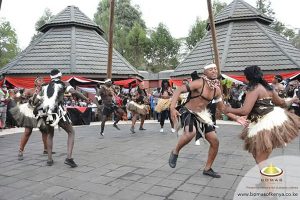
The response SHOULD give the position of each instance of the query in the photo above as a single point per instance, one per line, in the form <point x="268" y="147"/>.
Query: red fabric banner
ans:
<point x="267" y="77"/>
<point x="28" y="82"/>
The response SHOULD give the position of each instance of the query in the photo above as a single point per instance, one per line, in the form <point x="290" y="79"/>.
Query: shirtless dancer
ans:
<point x="194" y="114"/>
<point x="107" y="93"/>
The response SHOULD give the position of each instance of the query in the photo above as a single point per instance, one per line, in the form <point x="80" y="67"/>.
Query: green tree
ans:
<point x="101" y="17"/>
<point x="296" y="41"/>
<point x="125" y="17"/>
<point x="162" y="51"/>
<point x="8" y="43"/>
<point x="218" y="6"/>
<point x="197" y="32"/>
<point x="289" y="33"/>
<point x="136" y="42"/>
<point x="265" y="7"/>
<point x="45" y="18"/>
<point x="278" y="26"/>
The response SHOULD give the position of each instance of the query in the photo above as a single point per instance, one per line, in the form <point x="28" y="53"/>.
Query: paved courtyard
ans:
<point x="123" y="166"/>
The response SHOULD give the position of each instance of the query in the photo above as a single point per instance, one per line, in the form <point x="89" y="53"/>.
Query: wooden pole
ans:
<point x="110" y="39"/>
<point x="213" y="36"/>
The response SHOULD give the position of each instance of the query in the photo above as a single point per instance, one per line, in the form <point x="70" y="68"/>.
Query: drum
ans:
<point x="140" y="109"/>
<point x="162" y="104"/>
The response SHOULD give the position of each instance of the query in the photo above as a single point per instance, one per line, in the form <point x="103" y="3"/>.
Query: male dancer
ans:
<point x="107" y="93"/>
<point x="51" y="113"/>
<point x="194" y="114"/>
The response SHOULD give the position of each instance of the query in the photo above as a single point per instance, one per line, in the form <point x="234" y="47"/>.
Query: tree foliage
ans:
<point x="163" y="49"/>
<point x="265" y="7"/>
<point x="45" y="18"/>
<point x="128" y="15"/>
<point x="296" y="41"/>
<point x="136" y="42"/>
<point x="218" y="6"/>
<point x="101" y="17"/>
<point x="198" y="30"/>
<point x="125" y="17"/>
<point x="8" y="43"/>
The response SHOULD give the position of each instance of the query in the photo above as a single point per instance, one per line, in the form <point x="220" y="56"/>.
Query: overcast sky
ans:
<point x="177" y="15"/>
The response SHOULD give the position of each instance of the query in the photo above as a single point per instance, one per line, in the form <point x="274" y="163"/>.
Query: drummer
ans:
<point x="139" y="96"/>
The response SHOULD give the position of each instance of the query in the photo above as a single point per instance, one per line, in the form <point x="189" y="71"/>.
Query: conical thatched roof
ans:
<point x="72" y="43"/>
<point x="244" y="38"/>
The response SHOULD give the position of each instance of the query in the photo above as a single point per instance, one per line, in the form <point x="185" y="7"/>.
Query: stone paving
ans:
<point x="122" y="166"/>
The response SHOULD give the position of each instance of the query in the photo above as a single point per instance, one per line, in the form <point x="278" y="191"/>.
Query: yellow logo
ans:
<point x="271" y="171"/>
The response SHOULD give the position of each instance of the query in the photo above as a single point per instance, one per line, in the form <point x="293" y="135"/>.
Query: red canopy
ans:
<point x="177" y="82"/>
<point x="28" y="82"/>
<point x="125" y="83"/>
<point x="267" y="77"/>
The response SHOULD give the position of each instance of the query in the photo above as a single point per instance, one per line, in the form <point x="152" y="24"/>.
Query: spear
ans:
<point x="110" y="38"/>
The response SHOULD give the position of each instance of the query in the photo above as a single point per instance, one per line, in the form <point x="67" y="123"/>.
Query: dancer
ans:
<point x="212" y="107"/>
<point x="139" y="106"/>
<point x="194" y="117"/>
<point x="50" y="113"/>
<point x="106" y="94"/>
<point x="25" y="118"/>
<point x="270" y="126"/>
<point x="163" y="105"/>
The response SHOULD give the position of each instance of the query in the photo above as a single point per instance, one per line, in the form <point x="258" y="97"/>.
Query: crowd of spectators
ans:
<point x="235" y="97"/>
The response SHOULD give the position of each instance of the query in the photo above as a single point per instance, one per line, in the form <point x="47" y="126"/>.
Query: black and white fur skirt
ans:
<point x="23" y="114"/>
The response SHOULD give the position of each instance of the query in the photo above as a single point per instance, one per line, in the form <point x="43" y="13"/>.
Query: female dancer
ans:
<point x="270" y="125"/>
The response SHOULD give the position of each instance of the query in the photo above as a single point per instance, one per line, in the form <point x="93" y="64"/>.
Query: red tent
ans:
<point x="125" y="83"/>
<point x="177" y="82"/>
